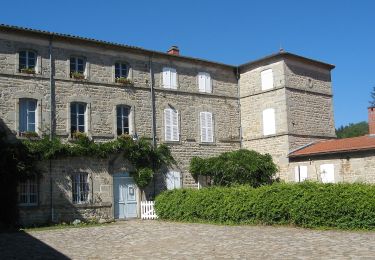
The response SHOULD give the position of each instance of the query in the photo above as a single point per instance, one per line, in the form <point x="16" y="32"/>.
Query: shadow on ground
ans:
<point x="21" y="245"/>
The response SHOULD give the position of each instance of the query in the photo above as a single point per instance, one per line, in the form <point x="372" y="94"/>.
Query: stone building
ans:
<point x="58" y="84"/>
<point x="337" y="160"/>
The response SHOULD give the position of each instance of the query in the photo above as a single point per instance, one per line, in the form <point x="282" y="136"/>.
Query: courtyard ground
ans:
<point x="165" y="240"/>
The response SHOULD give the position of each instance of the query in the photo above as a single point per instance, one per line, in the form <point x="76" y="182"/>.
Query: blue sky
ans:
<point x="233" y="32"/>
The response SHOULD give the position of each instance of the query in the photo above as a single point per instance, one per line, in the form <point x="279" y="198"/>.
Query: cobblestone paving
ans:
<point x="164" y="240"/>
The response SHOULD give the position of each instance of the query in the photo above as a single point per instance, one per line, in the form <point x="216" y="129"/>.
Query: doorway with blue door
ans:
<point x="125" y="196"/>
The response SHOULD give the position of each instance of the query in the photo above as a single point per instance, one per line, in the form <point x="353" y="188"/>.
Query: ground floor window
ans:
<point x="80" y="188"/>
<point x="28" y="192"/>
<point x="300" y="173"/>
<point x="173" y="180"/>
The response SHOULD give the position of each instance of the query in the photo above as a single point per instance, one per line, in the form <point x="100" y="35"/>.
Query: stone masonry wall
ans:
<point x="350" y="167"/>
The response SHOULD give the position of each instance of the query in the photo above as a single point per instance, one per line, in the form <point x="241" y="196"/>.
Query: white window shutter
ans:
<point x="327" y="173"/>
<point x="166" y="78"/>
<point x="173" y="74"/>
<point x="203" y="127"/>
<point x="267" y="79"/>
<point x="210" y="133"/>
<point x="300" y="173"/>
<point x="201" y="82"/>
<point x="208" y="83"/>
<point x="175" y="131"/>
<point x="269" y="124"/>
<point x="177" y="180"/>
<point x="168" y="124"/>
<point x="173" y="180"/>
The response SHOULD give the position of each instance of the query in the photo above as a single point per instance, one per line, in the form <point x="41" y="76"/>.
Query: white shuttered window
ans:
<point x="173" y="180"/>
<point x="204" y="82"/>
<point x="300" y="173"/>
<point x="169" y="78"/>
<point x="171" y="125"/>
<point x="327" y="173"/>
<point x="207" y="133"/>
<point x="267" y="79"/>
<point x="269" y="124"/>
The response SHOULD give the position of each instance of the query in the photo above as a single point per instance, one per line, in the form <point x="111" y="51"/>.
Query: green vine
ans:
<point x="145" y="159"/>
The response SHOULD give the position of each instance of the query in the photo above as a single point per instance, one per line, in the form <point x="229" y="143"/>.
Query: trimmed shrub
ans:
<point x="346" y="206"/>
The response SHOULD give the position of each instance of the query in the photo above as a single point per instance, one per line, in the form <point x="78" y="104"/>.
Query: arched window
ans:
<point x="123" y="119"/>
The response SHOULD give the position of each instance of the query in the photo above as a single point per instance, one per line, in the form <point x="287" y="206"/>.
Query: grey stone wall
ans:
<point x="350" y="167"/>
<point x="102" y="94"/>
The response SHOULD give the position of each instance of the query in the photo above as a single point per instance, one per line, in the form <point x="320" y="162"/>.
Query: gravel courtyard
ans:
<point x="165" y="240"/>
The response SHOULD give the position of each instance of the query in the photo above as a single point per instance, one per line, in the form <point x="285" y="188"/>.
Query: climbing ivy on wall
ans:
<point x="145" y="158"/>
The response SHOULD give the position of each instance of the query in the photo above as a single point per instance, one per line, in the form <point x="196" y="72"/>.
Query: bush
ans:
<point x="346" y="206"/>
<point x="237" y="167"/>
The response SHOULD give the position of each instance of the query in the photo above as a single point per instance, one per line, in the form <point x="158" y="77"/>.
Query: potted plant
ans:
<point x="77" y="75"/>
<point x="124" y="81"/>
<point x="28" y="70"/>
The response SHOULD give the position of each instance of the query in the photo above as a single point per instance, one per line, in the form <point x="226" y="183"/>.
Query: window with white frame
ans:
<point x="80" y="188"/>
<point x="77" y="66"/>
<point x="169" y="78"/>
<point x="28" y="192"/>
<point x="204" y="82"/>
<point x="121" y="70"/>
<point x="267" y="79"/>
<point x="269" y="124"/>
<point x="27" y="115"/>
<point x="327" y="173"/>
<point x="171" y="125"/>
<point x="27" y="60"/>
<point x="206" y="122"/>
<point x="123" y="122"/>
<point x="300" y="173"/>
<point x="173" y="180"/>
<point x="78" y="117"/>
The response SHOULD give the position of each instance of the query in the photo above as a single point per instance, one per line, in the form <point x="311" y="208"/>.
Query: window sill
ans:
<point x="207" y="144"/>
<point x="172" y="142"/>
<point x="28" y="206"/>
<point x="92" y="205"/>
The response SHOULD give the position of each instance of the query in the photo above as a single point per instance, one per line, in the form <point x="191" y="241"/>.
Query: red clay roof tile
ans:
<point x="361" y="143"/>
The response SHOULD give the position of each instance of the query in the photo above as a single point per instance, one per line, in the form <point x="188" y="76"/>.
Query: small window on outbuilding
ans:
<point x="300" y="173"/>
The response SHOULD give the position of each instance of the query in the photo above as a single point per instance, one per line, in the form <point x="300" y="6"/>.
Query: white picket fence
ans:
<point x="147" y="210"/>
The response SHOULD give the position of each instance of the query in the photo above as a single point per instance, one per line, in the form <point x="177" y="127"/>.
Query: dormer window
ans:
<point x="77" y="67"/>
<point x="121" y="70"/>
<point x="27" y="61"/>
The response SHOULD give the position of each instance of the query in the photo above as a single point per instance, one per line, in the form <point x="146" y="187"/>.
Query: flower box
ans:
<point x="28" y="70"/>
<point x="77" y="75"/>
<point x="124" y="81"/>
<point x="29" y="135"/>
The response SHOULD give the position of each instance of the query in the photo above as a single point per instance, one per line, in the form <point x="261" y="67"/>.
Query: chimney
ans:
<point x="173" y="50"/>
<point x="371" y="120"/>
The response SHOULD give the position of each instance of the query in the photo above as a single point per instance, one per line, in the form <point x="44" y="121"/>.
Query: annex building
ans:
<point x="60" y="84"/>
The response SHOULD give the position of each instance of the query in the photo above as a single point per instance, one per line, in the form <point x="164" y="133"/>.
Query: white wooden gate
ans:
<point x="147" y="210"/>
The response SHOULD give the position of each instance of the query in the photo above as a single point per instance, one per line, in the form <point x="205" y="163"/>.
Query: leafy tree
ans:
<point x="237" y="167"/>
<point x="352" y="130"/>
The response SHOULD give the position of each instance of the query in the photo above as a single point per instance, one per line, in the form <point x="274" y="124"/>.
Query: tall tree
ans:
<point x="352" y="130"/>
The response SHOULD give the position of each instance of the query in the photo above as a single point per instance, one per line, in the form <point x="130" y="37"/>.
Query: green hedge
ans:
<point x="346" y="206"/>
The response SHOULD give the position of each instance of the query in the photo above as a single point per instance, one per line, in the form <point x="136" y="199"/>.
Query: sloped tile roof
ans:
<point x="361" y="143"/>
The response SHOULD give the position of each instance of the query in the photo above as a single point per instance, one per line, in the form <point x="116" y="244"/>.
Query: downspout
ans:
<point x="51" y="124"/>
<point x="153" y="119"/>
<point x="239" y="105"/>
<point x="153" y="116"/>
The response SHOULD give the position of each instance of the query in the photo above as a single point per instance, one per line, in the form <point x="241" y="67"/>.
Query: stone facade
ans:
<point x="301" y="97"/>
<point x="348" y="167"/>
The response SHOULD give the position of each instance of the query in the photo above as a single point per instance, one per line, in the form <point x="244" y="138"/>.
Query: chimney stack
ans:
<point x="371" y="120"/>
<point x="173" y="50"/>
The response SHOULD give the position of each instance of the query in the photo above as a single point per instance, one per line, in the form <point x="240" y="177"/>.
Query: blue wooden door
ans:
<point x="125" y="196"/>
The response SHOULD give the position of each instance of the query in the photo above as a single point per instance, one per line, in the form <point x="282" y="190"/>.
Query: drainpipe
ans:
<point x="51" y="123"/>
<point x="153" y="119"/>
<point x="239" y="104"/>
